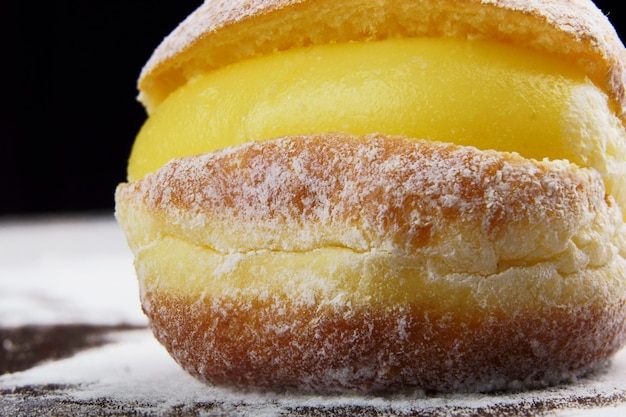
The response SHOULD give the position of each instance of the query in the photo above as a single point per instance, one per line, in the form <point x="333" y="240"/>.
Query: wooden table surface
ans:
<point x="73" y="342"/>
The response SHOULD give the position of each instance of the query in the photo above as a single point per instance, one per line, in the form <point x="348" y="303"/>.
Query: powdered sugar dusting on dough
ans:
<point x="332" y="263"/>
<point x="373" y="192"/>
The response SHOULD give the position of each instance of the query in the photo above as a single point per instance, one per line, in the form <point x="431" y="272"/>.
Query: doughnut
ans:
<point x="347" y="196"/>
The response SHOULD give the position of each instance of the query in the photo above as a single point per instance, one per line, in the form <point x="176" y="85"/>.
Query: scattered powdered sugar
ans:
<point x="66" y="270"/>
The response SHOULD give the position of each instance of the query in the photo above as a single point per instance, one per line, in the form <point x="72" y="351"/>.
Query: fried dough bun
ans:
<point x="373" y="196"/>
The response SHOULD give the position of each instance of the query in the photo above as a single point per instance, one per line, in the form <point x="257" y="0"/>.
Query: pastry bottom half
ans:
<point x="275" y="343"/>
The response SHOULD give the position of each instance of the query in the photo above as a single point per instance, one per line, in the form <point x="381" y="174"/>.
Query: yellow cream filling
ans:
<point x="485" y="94"/>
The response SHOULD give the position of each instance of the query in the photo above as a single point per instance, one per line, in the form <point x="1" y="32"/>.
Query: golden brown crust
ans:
<point x="220" y="33"/>
<point x="277" y="344"/>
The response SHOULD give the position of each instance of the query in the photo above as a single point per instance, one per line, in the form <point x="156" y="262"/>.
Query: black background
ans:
<point x="68" y="112"/>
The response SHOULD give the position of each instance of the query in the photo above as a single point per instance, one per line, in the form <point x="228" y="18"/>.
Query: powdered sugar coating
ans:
<point x="338" y="263"/>
<point x="393" y="194"/>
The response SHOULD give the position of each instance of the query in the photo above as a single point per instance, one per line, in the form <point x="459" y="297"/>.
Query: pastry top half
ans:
<point x="219" y="33"/>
